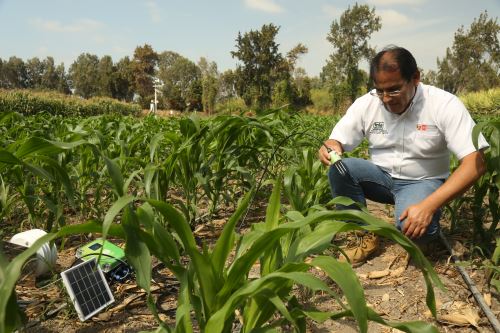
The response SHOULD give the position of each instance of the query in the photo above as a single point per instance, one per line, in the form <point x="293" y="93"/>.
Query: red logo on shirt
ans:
<point x="422" y="127"/>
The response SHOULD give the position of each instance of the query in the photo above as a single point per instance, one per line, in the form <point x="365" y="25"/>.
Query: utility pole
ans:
<point x="156" y="86"/>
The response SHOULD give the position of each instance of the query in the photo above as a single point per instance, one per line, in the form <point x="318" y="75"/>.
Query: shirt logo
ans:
<point x="422" y="127"/>
<point x="378" y="127"/>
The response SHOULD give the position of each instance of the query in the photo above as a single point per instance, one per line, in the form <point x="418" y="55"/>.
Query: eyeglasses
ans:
<point x="381" y="94"/>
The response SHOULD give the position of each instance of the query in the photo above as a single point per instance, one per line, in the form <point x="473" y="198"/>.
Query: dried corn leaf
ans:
<point x="465" y="318"/>
<point x="487" y="299"/>
<point x="378" y="274"/>
<point x="398" y="271"/>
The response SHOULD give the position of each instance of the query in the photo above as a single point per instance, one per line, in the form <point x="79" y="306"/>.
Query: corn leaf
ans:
<point x="226" y="241"/>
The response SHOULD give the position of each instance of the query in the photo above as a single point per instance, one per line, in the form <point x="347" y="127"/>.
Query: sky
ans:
<point x="64" y="29"/>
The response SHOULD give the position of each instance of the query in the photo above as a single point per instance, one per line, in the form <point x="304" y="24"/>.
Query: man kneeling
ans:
<point x="411" y="130"/>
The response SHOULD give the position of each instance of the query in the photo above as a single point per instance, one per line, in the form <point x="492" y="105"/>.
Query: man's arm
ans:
<point x="419" y="216"/>
<point x="323" y="155"/>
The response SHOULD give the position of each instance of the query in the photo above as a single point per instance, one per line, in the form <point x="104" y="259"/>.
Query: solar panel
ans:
<point x="87" y="288"/>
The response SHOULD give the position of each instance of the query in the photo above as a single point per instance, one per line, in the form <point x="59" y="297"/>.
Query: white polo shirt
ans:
<point x="415" y="144"/>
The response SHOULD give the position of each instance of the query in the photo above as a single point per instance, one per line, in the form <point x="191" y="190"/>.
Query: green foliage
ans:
<point x="144" y="63"/>
<point x="322" y="100"/>
<point x="123" y="80"/>
<point x="84" y="75"/>
<point x="213" y="287"/>
<point x="233" y="105"/>
<point x="262" y="65"/>
<point x="494" y="273"/>
<point x="144" y="180"/>
<point x="349" y="36"/>
<point x="105" y="72"/>
<point x="472" y="63"/>
<point x="306" y="183"/>
<point x="13" y="74"/>
<point x="227" y="86"/>
<point x="484" y="104"/>
<point x="182" y="86"/>
<point x="284" y="94"/>
<point x="32" y="103"/>
<point x="488" y="186"/>
<point x="302" y="84"/>
<point x="209" y="84"/>
<point x="44" y="75"/>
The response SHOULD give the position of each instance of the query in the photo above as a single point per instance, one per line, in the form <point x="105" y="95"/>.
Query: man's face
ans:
<point x="391" y="81"/>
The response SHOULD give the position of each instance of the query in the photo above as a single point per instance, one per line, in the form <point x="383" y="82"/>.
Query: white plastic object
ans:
<point x="46" y="255"/>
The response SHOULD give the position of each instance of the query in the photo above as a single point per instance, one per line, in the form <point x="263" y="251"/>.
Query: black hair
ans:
<point x="404" y="62"/>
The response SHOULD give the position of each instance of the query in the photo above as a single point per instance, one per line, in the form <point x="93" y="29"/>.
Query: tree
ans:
<point x="300" y="84"/>
<point x="34" y="72"/>
<point x="45" y="75"/>
<point x="303" y="86"/>
<point x="227" y="85"/>
<point x="2" y="79"/>
<point x="293" y="55"/>
<point x="84" y="75"/>
<point x="182" y="89"/>
<point x="62" y="80"/>
<point x="15" y="75"/>
<point x="349" y="37"/>
<point x="284" y="94"/>
<point x="51" y="76"/>
<point x="473" y="62"/>
<point x="428" y="77"/>
<point x="209" y="84"/>
<point x="261" y="65"/>
<point x="123" y="80"/>
<point x="105" y="71"/>
<point x="144" y="66"/>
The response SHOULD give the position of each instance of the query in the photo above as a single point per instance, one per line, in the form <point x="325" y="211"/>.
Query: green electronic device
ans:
<point x="112" y="255"/>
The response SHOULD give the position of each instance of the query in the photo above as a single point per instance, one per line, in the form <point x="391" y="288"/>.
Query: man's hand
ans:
<point x="418" y="217"/>
<point x="323" y="155"/>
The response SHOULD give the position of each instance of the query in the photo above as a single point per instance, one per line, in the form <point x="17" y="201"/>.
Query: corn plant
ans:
<point x="31" y="103"/>
<point x="213" y="287"/>
<point x="488" y="186"/>
<point x="36" y="156"/>
<point x="306" y="184"/>
<point x="493" y="267"/>
<point x="130" y="168"/>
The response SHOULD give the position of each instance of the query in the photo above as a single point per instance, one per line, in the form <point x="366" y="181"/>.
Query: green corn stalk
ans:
<point x="306" y="184"/>
<point x="213" y="288"/>
<point x="36" y="155"/>
<point x="7" y="199"/>
<point x="488" y="185"/>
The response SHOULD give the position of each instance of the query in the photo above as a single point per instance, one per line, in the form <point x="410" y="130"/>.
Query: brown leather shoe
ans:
<point x="362" y="248"/>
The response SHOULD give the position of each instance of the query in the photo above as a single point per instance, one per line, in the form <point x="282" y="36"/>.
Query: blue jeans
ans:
<point x="368" y="181"/>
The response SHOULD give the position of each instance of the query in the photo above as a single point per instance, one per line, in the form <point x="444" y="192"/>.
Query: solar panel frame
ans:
<point x="87" y="288"/>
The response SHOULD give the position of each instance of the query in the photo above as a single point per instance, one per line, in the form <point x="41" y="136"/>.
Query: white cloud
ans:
<point x="268" y="6"/>
<point x="81" y="25"/>
<point x="392" y="18"/>
<point x="396" y="2"/>
<point x="154" y="11"/>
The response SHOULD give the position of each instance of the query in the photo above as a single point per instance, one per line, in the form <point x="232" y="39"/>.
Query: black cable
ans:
<point x="125" y="269"/>
<point x="471" y="285"/>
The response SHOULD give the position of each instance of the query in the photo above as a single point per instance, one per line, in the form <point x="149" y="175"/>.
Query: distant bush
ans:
<point x="29" y="103"/>
<point x="484" y="103"/>
<point x="321" y="99"/>
<point x="231" y="106"/>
